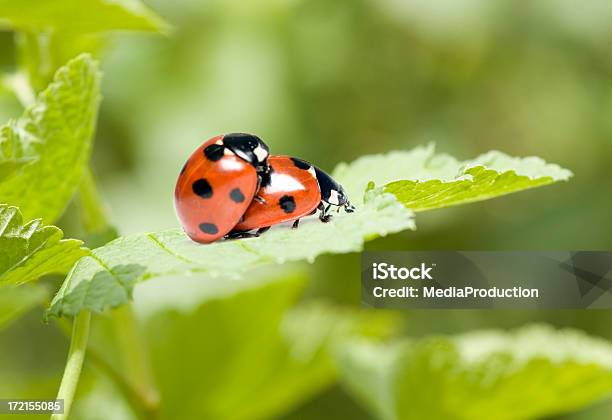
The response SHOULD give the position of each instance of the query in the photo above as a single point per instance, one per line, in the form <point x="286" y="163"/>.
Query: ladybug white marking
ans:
<point x="333" y="198"/>
<point x="230" y="165"/>
<point x="261" y="153"/>
<point x="242" y="155"/>
<point x="283" y="182"/>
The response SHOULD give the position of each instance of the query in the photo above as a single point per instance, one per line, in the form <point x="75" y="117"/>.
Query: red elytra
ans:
<point x="292" y="193"/>
<point x="214" y="189"/>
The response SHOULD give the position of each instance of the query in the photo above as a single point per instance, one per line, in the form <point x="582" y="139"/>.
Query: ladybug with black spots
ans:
<point x="218" y="183"/>
<point x="295" y="189"/>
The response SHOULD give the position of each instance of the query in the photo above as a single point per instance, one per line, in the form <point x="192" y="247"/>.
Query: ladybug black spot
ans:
<point x="287" y="203"/>
<point x="214" y="152"/>
<point x="202" y="188"/>
<point x="236" y="195"/>
<point x="301" y="163"/>
<point x="209" y="228"/>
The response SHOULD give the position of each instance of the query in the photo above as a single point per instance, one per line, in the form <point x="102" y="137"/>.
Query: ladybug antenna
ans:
<point x="348" y="207"/>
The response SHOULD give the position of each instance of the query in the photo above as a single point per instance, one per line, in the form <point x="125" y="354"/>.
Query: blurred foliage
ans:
<point x="529" y="373"/>
<point x="50" y="33"/>
<point x="264" y="359"/>
<point x="331" y="81"/>
<point x="16" y="301"/>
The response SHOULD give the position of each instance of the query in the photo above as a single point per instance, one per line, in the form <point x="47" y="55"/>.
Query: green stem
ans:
<point x="139" y="403"/>
<point x="142" y="408"/>
<point x="92" y="207"/>
<point x="135" y="357"/>
<point x="76" y="355"/>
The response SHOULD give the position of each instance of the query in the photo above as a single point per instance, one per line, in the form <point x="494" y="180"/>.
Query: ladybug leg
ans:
<point x="348" y="207"/>
<point x="295" y="224"/>
<point x="260" y="200"/>
<point x="240" y="235"/>
<point x="324" y="217"/>
<point x="261" y="231"/>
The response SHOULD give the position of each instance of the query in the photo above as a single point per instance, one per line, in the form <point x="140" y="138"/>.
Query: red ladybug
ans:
<point x="217" y="184"/>
<point x="295" y="189"/>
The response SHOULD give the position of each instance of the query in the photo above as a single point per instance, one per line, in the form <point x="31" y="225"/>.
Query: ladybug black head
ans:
<point x="250" y="148"/>
<point x="343" y="200"/>
<point x="332" y="192"/>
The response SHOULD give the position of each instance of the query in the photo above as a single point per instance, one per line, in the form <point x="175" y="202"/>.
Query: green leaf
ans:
<point x="32" y="250"/>
<point x="15" y="301"/>
<point x="531" y="373"/>
<point x="79" y="16"/>
<point x="422" y="180"/>
<point x="116" y="267"/>
<point x="107" y="277"/>
<point x="253" y="355"/>
<point x="43" y="153"/>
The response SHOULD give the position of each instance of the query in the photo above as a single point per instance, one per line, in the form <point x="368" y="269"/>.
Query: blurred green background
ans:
<point x="331" y="81"/>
